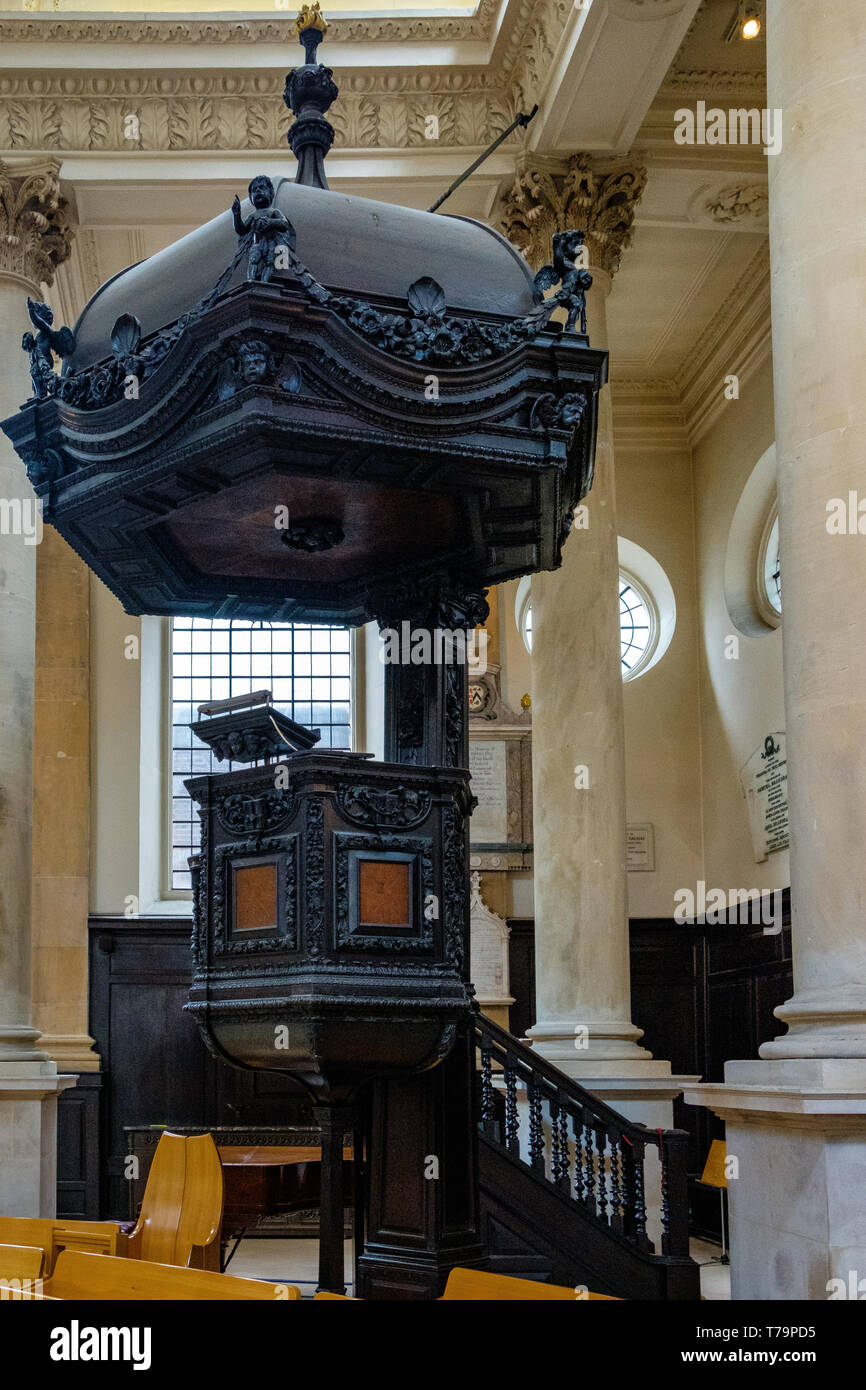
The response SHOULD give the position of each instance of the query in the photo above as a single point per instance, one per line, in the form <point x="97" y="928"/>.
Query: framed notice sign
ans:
<point x="640" y="852"/>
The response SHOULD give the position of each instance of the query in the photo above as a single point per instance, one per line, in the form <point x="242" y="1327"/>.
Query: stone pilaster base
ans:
<point x="564" y="1041"/>
<point x="28" y="1137"/>
<point x="797" y="1128"/>
<point x="71" y="1051"/>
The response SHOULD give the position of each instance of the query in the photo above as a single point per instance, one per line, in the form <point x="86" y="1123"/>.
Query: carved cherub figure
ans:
<point x="42" y="345"/>
<point x="573" y="280"/>
<point x="264" y="232"/>
<point x="251" y="362"/>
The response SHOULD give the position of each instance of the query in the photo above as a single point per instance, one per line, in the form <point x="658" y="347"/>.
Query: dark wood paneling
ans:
<point x="521" y="965"/>
<point x="156" y="1069"/>
<point x="704" y="995"/>
<point x="78" y="1149"/>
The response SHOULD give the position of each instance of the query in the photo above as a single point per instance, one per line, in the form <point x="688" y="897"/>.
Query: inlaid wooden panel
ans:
<point x="255" y="897"/>
<point x="384" y="893"/>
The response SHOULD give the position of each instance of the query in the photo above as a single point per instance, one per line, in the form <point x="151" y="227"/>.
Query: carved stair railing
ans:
<point x="594" y="1158"/>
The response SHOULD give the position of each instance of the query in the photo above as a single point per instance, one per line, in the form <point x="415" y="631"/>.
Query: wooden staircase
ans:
<point x="564" y="1181"/>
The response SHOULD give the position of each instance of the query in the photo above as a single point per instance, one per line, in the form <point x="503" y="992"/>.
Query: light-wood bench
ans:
<point x="98" y="1278"/>
<point x="179" y="1222"/>
<point x="52" y="1235"/>
<point x="476" y="1285"/>
<point x="21" y="1261"/>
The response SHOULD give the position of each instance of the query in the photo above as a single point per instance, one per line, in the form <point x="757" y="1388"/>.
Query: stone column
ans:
<point x="796" y="1121"/>
<point x="578" y="751"/>
<point x="34" y="239"/>
<point x="61" y="805"/>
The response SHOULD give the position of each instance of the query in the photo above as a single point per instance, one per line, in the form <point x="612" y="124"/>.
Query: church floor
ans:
<point x="715" y="1278"/>
<point x="285" y="1261"/>
<point x="296" y="1262"/>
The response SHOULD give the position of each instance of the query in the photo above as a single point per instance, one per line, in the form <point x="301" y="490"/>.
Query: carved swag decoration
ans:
<point x="426" y="334"/>
<point x="402" y="806"/>
<point x="244" y="815"/>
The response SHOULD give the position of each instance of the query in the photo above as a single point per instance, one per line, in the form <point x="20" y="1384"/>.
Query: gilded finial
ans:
<point x="312" y="28"/>
<point x="311" y="17"/>
<point x="310" y="90"/>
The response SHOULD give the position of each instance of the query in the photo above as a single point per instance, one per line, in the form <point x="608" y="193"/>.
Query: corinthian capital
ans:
<point x="595" y="195"/>
<point x="35" y="221"/>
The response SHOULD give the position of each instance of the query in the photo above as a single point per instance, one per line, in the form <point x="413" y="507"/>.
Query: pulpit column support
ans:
<point x="333" y="1121"/>
<point x="422" y="1145"/>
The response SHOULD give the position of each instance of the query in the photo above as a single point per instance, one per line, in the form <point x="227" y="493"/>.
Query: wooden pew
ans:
<point x="98" y="1278"/>
<point x="477" y="1286"/>
<point x="21" y="1261"/>
<point x="52" y="1236"/>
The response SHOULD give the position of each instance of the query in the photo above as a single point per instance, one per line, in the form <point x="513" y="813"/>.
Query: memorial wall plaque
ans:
<point x="764" y="781"/>
<point x="487" y="769"/>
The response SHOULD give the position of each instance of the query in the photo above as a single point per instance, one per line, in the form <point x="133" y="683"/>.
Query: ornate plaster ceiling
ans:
<point x="206" y="94"/>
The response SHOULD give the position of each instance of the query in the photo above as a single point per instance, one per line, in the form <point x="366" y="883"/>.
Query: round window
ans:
<point x="638" y="626"/>
<point x="769" y="576"/>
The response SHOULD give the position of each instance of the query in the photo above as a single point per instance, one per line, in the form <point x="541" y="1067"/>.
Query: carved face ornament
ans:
<point x="254" y="361"/>
<point x="261" y="192"/>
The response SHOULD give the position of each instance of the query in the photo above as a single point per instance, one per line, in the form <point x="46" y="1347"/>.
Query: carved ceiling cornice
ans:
<point x="597" y="195"/>
<point x="647" y="415"/>
<point x="224" y="109"/>
<point x="653" y="412"/>
<point x="706" y="82"/>
<point x="736" y="341"/>
<point x="268" y="82"/>
<point x="200" y="109"/>
<point x="35" y="221"/>
<point x="532" y="42"/>
<point x="242" y="111"/>
<point x="204" y="29"/>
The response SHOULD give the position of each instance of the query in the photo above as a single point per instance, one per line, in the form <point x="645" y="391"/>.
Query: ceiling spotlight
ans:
<point x="747" y="21"/>
<point x="751" y="26"/>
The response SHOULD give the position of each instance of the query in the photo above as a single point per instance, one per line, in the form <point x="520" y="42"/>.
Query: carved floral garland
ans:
<point x="427" y="334"/>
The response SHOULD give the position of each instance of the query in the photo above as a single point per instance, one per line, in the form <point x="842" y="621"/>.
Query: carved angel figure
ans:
<point x="264" y="232"/>
<point x="42" y="345"/>
<point x="573" y="280"/>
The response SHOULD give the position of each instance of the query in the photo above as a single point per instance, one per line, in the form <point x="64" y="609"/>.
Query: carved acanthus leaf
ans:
<point x="175" y="119"/>
<point x="35" y="221"/>
<point x="597" y="194"/>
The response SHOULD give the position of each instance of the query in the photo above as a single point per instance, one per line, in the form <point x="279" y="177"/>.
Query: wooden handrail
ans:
<point x="588" y="1151"/>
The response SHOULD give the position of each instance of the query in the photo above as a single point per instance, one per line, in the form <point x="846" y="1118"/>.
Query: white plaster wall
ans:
<point x="742" y="699"/>
<point x="662" y="730"/>
<point x="115" y="751"/>
<point x="516" y="673"/>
